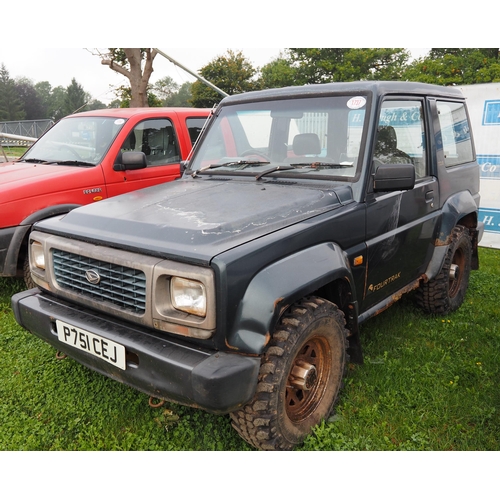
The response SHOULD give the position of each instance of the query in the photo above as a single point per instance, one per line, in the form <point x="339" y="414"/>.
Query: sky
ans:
<point x="45" y="41"/>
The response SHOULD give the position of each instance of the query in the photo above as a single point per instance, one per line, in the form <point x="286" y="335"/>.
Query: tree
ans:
<point x="76" y="98"/>
<point x="182" y="98"/>
<point x="171" y="94"/>
<point x="124" y="94"/>
<point x="11" y="108"/>
<point x="456" y="67"/>
<point x="129" y="63"/>
<point x="278" y="73"/>
<point x="31" y="102"/>
<point x="165" y="88"/>
<point x="232" y="73"/>
<point x="58" y="108"/>
<point x="344" y="64"/>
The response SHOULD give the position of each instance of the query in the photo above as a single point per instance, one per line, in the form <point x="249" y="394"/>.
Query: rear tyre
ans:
<point x="446" y="292"/>
<point x="300" y="377"/>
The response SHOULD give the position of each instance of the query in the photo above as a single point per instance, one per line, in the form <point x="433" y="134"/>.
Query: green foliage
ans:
<point x="440" y="66"/>
<point x="232" y="73"/>
<point x="181" y="98"/>
<point x="428" y="383"/>
<point x="11" y="108"/>
<point x="278" y="73"/>
<point x="343" y="65"/>
<point x="30" y="99"/>
<point x="124" y="95"/>
<point x="75" y="98"/>
<point x="313" y="65"/>
<point x="456" y="67"/>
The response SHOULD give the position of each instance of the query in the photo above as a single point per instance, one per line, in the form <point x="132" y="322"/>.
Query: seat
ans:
<point x="386" y="147"/>
<point x="306" y="144"/>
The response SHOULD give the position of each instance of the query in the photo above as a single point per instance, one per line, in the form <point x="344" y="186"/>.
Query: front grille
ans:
<point x="121" y="286"/>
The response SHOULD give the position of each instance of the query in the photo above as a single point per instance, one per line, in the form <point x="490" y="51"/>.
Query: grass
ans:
<point x="13" y="151"/>
<point x="428" y="383"/>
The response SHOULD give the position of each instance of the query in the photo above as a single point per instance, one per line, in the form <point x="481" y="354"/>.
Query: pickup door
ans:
<point x="400" y="224"/>
<point x="165" y="141"/>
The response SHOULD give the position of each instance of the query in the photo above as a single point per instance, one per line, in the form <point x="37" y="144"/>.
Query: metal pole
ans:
<point x="221" y="92"/>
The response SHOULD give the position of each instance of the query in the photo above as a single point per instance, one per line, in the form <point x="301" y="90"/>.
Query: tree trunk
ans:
<point x="138" y="77"/>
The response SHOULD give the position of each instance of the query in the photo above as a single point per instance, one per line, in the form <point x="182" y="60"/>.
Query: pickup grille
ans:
<point x="122" y="286"/>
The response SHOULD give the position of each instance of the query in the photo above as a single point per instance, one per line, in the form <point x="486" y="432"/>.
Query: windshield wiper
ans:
<point x="244" y="163"/>
<point x="34" y="160"/>
<point x="77" y="163"/>
<point x="314" y="165"/>
<point x="322" y="164"/>
<point x="275" y="169"/>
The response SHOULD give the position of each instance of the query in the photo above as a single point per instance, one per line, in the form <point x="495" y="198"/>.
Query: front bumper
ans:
<point x="214" y="381"/>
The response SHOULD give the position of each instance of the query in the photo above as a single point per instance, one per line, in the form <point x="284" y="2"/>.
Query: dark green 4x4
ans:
<point x="240" y="287"/>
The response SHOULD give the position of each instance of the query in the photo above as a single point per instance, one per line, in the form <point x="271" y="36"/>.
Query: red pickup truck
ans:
<point x="87" y="157"/>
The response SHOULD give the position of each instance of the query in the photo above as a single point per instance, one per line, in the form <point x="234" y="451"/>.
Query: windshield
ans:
<point x="318" y="136"/>
<point x="75" y="141"/>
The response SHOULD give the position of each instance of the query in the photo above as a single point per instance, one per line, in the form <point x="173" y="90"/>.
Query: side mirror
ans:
<point x="400" y="176"/>
<point x="130" y="160"/>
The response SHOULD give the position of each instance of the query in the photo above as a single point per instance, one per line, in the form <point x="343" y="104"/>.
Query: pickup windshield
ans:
<point x="307" y="137"/>
<point x="78" y="141"/>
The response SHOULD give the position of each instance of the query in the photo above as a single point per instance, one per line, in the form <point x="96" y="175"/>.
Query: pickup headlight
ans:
<point x="37" y="255"/>
<point x="188" y="296"/>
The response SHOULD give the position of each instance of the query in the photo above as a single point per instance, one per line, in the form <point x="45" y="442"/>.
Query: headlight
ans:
<point x="189" y="296"/>
<point x="37" y="255"/>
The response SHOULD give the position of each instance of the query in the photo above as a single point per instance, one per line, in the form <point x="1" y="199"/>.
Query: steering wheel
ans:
<point x="255" y="152"/>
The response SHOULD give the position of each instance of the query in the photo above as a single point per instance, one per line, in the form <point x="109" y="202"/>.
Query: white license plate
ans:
<point x="96" y="345"/>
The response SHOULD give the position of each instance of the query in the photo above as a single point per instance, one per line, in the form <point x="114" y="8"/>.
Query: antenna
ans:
<point x="172" y="60"/>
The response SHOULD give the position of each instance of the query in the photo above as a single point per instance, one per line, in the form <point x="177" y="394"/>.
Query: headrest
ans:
<point x="306" y="144"/>
<point x="386" y="139"/>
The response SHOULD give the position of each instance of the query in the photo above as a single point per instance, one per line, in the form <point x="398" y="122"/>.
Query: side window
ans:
<point x="194" y="126"/>
<point x="455" y="133"/>
<point x="401" y="135"/>
<point x="156" y="139"/>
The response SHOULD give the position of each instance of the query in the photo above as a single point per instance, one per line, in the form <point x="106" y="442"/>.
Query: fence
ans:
<point x="25" y="128"/>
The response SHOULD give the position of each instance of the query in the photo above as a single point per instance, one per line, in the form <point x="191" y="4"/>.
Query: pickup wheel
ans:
<point x="300" y="377"/>
<point x="446" y="292"/>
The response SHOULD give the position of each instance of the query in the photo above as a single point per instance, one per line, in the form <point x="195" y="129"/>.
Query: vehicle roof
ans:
<point x="377" y="88"/>
<point x="129" y="112"/>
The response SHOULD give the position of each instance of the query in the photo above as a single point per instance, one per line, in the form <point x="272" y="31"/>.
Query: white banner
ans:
<point x="483" y="102"/>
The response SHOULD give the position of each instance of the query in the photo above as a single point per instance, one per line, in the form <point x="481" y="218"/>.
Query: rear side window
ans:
<point x="194" y="125"/>
<point x="455" y="133"/>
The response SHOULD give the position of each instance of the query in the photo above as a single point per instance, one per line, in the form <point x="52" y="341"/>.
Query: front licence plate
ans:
<point x="96" y="345"/>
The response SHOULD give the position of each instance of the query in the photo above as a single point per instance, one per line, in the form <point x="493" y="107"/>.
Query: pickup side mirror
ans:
<point x="394" y="177"/>
<point x="130" y="160"/>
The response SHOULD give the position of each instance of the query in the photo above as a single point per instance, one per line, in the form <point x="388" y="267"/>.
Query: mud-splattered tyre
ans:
<point x="300" y="377"/>
<point x="446" y="292"/>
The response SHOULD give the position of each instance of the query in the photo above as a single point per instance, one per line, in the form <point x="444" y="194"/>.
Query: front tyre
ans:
<point x="446" y="292"/>
<point x="300" y="377"/>
<point x="28" y="280"/>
